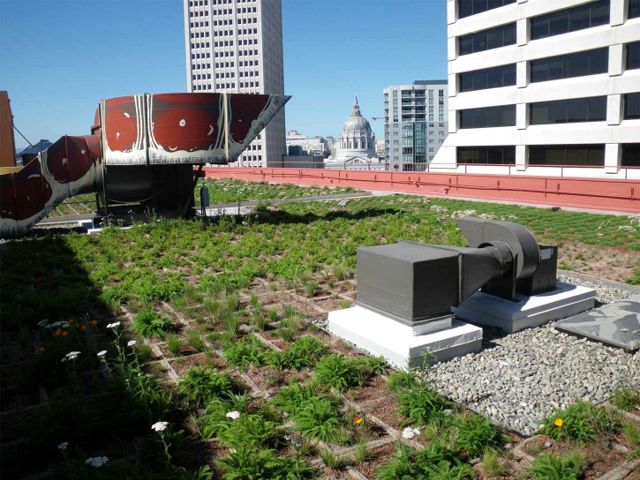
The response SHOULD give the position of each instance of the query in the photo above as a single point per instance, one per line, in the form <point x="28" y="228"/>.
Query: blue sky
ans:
<point x="58" y="58"/>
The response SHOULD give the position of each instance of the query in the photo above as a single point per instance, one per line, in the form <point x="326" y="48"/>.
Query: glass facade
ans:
<point x="502" y="155"/>
<point x="501" y="116"/>
<point x="634" y="9"/>
<point x="495" y="77"/>
<point x="591" y="109"/>
<point x="632" y="106"/>
<point x="630" y="154"/>
<point x="633" y="56"/>
<point x="571" y="19"/>
<point x="589" y="62"/>
<point x="487" y="39"/>
<point x="467" y="8"/>
<point x="574" y="155"/>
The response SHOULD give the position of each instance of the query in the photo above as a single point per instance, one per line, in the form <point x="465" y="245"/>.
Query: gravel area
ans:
<point x="519" y="379"/>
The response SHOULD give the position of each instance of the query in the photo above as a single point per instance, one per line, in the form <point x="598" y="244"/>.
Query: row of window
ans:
<point x="576" y="18"/>
<point x="589" y="62"/>
<point x="589" y="109"/>
<point x="227" y="85"/>
<point x="556" y="23"/>
<point x="551" y="155"/>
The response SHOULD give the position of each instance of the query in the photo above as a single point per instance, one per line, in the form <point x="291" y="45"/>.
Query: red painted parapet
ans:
<point x="598" y="194"/>
<point x="143" y="131"/>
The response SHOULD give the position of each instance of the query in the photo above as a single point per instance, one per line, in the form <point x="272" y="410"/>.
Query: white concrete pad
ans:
<point x="397" y="343"/>
<point x="563" y="301"/>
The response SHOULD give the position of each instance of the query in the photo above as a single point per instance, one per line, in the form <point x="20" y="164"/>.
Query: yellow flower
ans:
<point x="558" y="422"/>
<point x="358" y="419"/>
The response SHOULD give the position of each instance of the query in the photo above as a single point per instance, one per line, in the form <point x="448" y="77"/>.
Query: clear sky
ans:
<point x="58" y="58"/>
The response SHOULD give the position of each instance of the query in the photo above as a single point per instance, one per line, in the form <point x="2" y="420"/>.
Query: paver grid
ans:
<point x="519" y="459"/>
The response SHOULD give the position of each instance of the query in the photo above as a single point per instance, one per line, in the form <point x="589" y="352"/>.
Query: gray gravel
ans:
<point x="519" y="379"/>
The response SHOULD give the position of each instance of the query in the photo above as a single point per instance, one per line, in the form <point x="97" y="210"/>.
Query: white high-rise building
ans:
<point x="415" y="123"/>
<point x="236" y="46"/>
<point x="543" y="87"/>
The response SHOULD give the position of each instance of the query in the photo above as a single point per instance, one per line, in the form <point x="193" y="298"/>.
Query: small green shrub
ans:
<point x="432" y="463"/>
<point x="247" y="350"/>
<point x="318" y="418"/>
<point x="247" y="464"/>
<point x="581" y="423"/>
<point x="632" y="434"/>
<point x="194" y="337"/>
<point x="399" y="381"/>
<point x="291" y="398"/>
<point x="625" y="399"/>
<point x="174" y="344"/>
<point x="476" y="434"/>
<point x="332" y="460"/>
<point x="361" y="452"/>
<point x="338" y="372"/>
<point x="200" y="384"/>
<point x="550" y="467"/>
<point x="149" y="323"/>
<point x="304" y="352"/>
<point x="421" y="405"/>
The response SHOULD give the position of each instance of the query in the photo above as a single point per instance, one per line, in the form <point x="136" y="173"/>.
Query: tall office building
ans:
<point x="544" y="87"/>
<point x="415" y="123"/>
<point x="236" y="46"/>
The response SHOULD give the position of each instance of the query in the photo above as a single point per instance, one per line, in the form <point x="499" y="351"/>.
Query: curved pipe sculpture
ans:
<point x="142" y="130"/>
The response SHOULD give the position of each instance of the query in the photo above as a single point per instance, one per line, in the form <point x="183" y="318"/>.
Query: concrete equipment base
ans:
<point x="396" y="342"/>
<point x="564" y="301"/>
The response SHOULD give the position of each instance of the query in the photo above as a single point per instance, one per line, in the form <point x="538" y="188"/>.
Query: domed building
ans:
<point x="356" y="147"/>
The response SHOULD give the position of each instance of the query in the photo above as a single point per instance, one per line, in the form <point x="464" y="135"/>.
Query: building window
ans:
<point x="487" y="39"/>
<point x="632" y="106"/>
<point x="634" y="9"/>
<point x="630" y="154"/>
<point x="592" y="109"/>
<point x="495" y="77"/>
<point x="571" y="19"/>
<point x="503" y="155"/>
<point x="633" y="56"/>
<point x="574" y="155"/>
<point x="472" y="7"/>
<point x="589" y="62"/>
<point x="501" y="116"/>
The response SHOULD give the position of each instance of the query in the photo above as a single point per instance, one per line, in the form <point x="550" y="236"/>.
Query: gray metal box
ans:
<point x="408" y="282"/>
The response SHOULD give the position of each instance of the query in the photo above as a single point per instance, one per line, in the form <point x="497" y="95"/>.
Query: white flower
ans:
<point x="159" y="426"/>
<point x="101" y="353"/>
<point x="63" y="446"/>
<point x="408" y="433"/>
<point x="233" y="415"/>
<point x="96" y="462"/>
<point x="131" y="343"/>
<point x="43" y="323"/>
<point x="113" y="325"/>
<point x="71" y="356"/>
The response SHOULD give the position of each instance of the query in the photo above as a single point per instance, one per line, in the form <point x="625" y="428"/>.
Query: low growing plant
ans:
<point x="550" y="467"/>
<point x="148" y="323"/>
<point x="304" y="352"/>
<point x="318" y="418"/>
<point x="200" y="384"/>
<point x="625" y="398"/>
<point x="434" y="462"/>
<point x="246" y="351"/>
<point x="342" y="373"/>
<point x="477" y="434"/>
<point x="421" y="405"/>
<point x="581" y="423"/>
<point x="247" y="464"/>
<point x="401" y="380"/>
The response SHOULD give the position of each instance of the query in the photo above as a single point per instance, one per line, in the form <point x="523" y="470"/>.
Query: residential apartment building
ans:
<point x="236" y="46"/>
<point x="415" y="123"/>
<point x="544" y="87"/>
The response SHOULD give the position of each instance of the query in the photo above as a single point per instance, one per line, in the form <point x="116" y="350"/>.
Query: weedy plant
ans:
<point x="304" y="352"/>
<point x="625" y="398"/>
<point x="432" y="463"/>
<point x="194" y="337"/>
<point x="246" y="351"/>
<point x="491" y="465"/>
<point x="200" y="384"/>
<point x="291" y="398"/>
<point x="339" y="372"/>
<point x="477" y="434"/>
<point x="174" y="344"/>
<point x="148" y="323"/>
<point x="421" y="405"/>
<point x="550" y="467"/>
<point x="318" y="418"/>
<point x="581" y="423"/>
<point x="401" y="380"/>
<point x="332" y="460"/>
<point x="246" y="463"/>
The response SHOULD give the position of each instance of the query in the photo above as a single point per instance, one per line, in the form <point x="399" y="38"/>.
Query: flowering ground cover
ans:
<point x="178" y="350"/>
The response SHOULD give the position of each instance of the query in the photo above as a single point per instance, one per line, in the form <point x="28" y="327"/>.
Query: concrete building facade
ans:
<point x="415" y="123"/>
<point x="543" y="87"/>
<point x="236" y="46"/>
